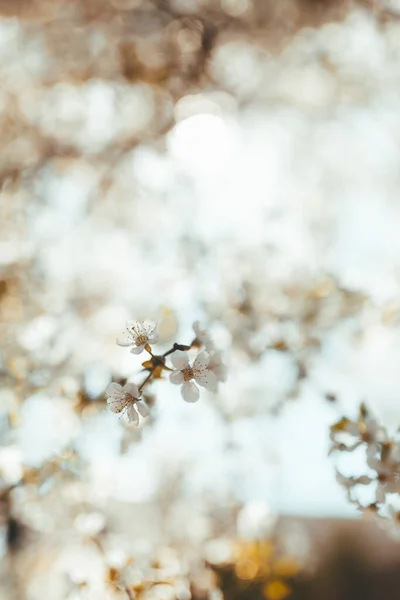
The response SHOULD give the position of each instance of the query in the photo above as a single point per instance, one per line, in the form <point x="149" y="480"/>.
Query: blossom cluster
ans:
<point x="382" y="461"/>
<point x="206" y="370"/>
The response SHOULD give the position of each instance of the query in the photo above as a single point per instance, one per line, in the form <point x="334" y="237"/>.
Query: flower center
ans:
<point x="128" y="399"/>
<point x="188" y="374"/>
<point x="141" y="339"/>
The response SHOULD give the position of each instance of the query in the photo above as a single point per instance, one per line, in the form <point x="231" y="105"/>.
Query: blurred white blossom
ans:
<point x="203" y="337"/>
<point x="382" y="462"/>
<point x="217" y="366"/>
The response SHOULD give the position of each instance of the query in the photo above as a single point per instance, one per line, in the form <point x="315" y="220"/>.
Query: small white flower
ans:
<point x="217" y="366"/>
<point x="138" y="335"/>
<point x="126" y="399"/>
<point x="184" y="375"/>
<point x="203" y="337"/>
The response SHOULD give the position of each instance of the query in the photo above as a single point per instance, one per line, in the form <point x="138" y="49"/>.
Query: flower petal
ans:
<point x="142" y="408"/>
<point x="209" y="344"/>
<point x="190" y="392"/>
<point x="132" y="390"/>
<point x="197" y="329"/>
<point x="114" y="389"/>
<point x="176" y="377"/>
<point x="222" y="376"/>
<point x="137" y="349"/>
<point x="134" y="327"/>
<point x="180" y="359"/>
<point x="203" y="336"/>
<point x="201" y="361"/>
<point x="153" y="338"/>
<point x="149" y="326"/>
<point x="207" y="379"/>
<point x="217" y="366"/>
<point x="132" y="415"/>
<point x="116" y="405"/>
<point x="125" y="340"/>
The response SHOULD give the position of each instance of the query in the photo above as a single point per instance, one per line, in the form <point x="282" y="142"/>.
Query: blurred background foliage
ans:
<point x="230" y="160"/>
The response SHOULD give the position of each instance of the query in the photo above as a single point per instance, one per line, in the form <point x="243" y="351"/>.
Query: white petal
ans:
<point x="201" y="361"/>
<point x="149" y="326"/>
<point x="132" y="415"/>
<point x="197" y="329"/>
<point x="207" y="379"/>
<point x="209" y="344"/>
<point x="153" y="338"/>
<point x="116" y="404"/>
<point x="132" y="390"/>
<point x="217" y="366"/>
<point x="353" y="429"/>
<point x="142" y="408"/>
<point x="219" y="372"/>
<point x="180" y="359"/>
<point x="137" y="349"/>
<point x="125" y="340"/>
<point x="134" y="327"/>
<point x="190" y="392"/>
<point x="203" y="336"/>
<point x="114" y="389"/>
<point x="176" y="377"/>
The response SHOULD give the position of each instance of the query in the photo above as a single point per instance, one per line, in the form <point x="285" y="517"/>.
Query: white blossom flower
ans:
<point x="138" y="335"/>
<point x="217" y="366"/>
<point x="387" y="472"/>
<point x="184" y="375"/>
<point x="349" y="484"/>
<point x="126" y="399"/>
<point x="203" y="337"/>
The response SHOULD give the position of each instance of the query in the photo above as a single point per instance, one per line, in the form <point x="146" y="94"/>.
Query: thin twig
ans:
<point x="149" y="376"/>
<point x="177" y="347"/>
<point x="129" y="593"/>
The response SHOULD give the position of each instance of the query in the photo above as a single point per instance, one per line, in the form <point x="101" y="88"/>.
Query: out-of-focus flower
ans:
<point x="365" y="429"/>
<point x="217" y="366"/>
<point x="382" y="457"/>
<point x="138" y="335"/>
<point x="184" y="375"/>
<point x="203" y="337"/>
<point x="126" y="399"/>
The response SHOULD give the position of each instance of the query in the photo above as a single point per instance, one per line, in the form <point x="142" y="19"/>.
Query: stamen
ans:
<point x="188" y="374"/>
